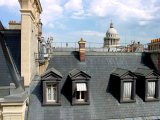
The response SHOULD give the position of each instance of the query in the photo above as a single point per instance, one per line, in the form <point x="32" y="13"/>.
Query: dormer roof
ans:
<point x="77" y="73"/>
<point x="119" y="72"/>
<point x="51" y="73"/>
<point x="146" y="72"/>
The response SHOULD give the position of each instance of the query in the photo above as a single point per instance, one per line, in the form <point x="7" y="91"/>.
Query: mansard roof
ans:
<point x="11" y="83"/>
<point x="103" y="106"/>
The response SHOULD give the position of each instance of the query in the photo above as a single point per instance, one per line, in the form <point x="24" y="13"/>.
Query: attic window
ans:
<point x="51" y="87"/>
<point x="151" y="89"/>
<point x="127" y="90"/>
<point x="81" y="92"/>
<point x="80" y="87"/>
<point x="51" y="92"/>
<point x="147" y="86"/>
<point x="123" y="85"/>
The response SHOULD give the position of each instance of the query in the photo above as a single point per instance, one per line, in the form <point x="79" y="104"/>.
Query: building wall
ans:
<point x="12" y="111"/>
<point x="30" y="17"/>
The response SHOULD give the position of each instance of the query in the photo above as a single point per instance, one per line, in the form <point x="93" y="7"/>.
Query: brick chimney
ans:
<point x="82" y="50"/>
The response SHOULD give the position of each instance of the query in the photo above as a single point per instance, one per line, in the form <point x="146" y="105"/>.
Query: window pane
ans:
<point x="49" y="93"/>
<point x="77" y="94"/>
<point x="82" y="94"/>
<point x="127" y="90"/>
<point x="54" y="93"/>
<point x="151" y="89"/>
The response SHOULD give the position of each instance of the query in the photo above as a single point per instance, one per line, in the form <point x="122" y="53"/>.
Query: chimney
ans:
<point x="82" y="50"/>
<point x="14" y="25"/>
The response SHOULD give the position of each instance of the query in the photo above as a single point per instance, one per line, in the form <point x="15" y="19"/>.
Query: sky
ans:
<point x="70" y="20"/>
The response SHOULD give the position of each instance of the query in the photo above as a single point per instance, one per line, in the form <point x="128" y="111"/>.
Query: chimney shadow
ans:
<point x="76" y="54"/>
<point x="146" y="59"/>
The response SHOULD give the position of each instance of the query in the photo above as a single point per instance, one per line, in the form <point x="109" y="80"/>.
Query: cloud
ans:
<point x="123" y="9"/>
<point x="9" y="3"/>
<point x="73" y="5"/>
<point x="52" y="10"/>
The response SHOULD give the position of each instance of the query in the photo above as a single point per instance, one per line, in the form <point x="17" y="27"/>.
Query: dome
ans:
<point x="111" y="29"/>
<point x="112" y="32"/>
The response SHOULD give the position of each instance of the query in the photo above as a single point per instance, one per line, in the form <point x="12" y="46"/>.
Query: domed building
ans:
<point x="112" y="39"/>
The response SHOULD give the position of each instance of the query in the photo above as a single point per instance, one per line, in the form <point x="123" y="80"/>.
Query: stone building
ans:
<point x="112" y="38"/>
<point x="36" y="84"/>
<point x="135" y="47"/>
<point x="154" y="45"/>
<point x="19" y="45"/>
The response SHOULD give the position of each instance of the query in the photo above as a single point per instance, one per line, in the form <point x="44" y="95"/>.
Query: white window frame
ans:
<point x="53" y="93"/>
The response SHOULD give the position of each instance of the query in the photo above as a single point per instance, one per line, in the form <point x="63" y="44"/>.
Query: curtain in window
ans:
<point x="127" y="90"/>
<point x="81" y="87"/>
<point x="151" y="89"/>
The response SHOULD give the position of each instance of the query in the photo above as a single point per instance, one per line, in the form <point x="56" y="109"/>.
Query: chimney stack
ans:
<point x="82" y="50"/>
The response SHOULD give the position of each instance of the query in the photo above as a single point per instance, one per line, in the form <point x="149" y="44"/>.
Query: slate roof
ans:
<point x="103" y="106"/>
<point x="144" y="72"/>
<point x="5" y="77"/>
<point x="12" y="40"/>
<point x="11" y="86"/>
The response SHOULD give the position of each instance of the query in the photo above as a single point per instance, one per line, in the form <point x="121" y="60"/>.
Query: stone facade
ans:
<point x="12" y="111"/>
<point x="30" y="19"/>
<point x="154" y="45"/>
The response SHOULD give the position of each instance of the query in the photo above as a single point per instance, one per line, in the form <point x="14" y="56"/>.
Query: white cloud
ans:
<point x="9" y="3"/>
<point x="122" y="9"/>
<point x="52" y="10"/>
<point x="74" y="5"/>
<point x="92" y="33"/>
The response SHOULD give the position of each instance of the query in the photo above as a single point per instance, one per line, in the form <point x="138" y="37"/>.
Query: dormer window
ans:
<point x="51" y="87"/>
<point x="123" y="85"/>
<point x="147" y="84"/>
<point x="80" y="87"/>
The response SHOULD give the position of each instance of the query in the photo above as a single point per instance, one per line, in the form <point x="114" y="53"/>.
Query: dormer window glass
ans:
<point x="127" y="90"/>
<point x="151" y="90"/>
<point x="81" y="92"/>
<point x="80" y="87"/>
<point x="51" y="93"/>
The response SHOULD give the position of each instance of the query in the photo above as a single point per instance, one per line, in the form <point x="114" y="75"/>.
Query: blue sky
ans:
<point x="69" y="20"/>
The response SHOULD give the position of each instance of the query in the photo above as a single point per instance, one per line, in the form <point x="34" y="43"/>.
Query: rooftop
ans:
<point x="99" y="65"/>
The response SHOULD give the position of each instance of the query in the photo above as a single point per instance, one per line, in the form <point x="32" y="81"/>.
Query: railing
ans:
<point x="41" y="57"/>
<point x="91" y="46"/>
